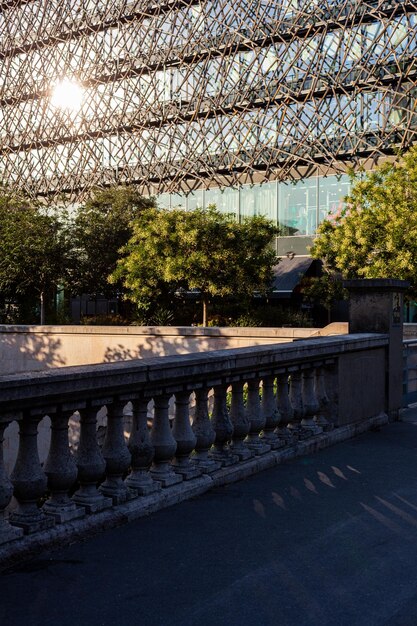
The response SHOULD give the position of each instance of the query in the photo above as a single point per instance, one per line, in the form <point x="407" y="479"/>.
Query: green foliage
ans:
<point x="34" y="250"/>
<point x="324" y="290"/>
<point x="104" y="320"/>
<point x="375" y="234"/>
<point x="269" y="316"/>
<point x="247" y="321"/>
<point x="102" y="226"/>
<point x="201" y="249"/>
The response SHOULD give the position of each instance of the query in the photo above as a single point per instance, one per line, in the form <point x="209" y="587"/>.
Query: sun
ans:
<point x="67" y="94"/>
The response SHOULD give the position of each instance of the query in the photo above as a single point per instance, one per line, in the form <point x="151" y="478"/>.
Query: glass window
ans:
<point x="226" y="200"/>
<point x="195" y="199"/>
<point x="332" y="190"/>
<point x="178" y="201"/>
<point x="164" y="200"/>
<point x="297" y="207"/>
<point x="259" y="200"/>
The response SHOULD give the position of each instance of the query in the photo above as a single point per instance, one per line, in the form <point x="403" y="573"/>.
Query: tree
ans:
<point x="101" y="227"/>
<point x="375" y="234"/>
<point x="34" y="249"/>
<point x="201" y="249"/>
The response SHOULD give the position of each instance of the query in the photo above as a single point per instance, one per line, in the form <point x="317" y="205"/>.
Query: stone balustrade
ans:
<point x="266" y="401"/>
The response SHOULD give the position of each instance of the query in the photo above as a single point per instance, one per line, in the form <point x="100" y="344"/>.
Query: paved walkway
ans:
<point x="329" y="539"/>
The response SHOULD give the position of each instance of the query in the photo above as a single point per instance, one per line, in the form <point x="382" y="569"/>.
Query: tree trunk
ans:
<point x="42" y="299"/>
<point x="205" y="305"/>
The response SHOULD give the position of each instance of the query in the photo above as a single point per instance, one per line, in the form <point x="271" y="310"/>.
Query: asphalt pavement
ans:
<point x="329" y="539"/>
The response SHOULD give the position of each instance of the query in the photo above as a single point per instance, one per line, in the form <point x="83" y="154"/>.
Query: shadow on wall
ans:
<point x="153" y="346"/>
<point x="24" y="352"/>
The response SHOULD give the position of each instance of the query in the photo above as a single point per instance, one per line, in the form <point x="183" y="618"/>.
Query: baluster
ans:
<point x="256" y="419"/>
<point x="185" y="437"/>
<point x="205" y="434"/>
<point x="285" y="408"/>
<point x="91" y="465"/>
<point x="117" y="456"/>
<point x="323" y="400"/>
<point x="296" y="398"/>
<point x="61" y="471"/>
<point x="223" y="428"/>
<point x="142" y="451"/>
<point x="240" y="421"/>
<point x="7" y="531"/>
<point x="164" y="444"/>
<point x="28" y="480"/>
<point x="271" y="414"/>
<point x="310" y="403"/>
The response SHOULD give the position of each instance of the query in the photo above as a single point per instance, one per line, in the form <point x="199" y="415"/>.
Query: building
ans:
<point x="256" y="105"/>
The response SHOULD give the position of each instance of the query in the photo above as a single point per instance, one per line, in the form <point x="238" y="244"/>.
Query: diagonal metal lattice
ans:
<point x="178" y="94"/>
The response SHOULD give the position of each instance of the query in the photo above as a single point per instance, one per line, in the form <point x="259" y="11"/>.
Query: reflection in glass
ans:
<point x="298" y="207"/>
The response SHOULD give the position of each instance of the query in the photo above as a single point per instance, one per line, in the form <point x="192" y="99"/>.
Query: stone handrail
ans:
<point x="263" y="399"/>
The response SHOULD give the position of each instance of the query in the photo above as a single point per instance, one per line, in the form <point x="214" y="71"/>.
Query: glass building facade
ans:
<point x="258" y="106"/>
<point x="297" y="207"/>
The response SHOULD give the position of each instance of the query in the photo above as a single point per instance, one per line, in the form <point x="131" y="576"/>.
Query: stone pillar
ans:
<point x="240" y="422"/>
<point x="185" y="437"/>
<point x="256" y="419"/>
<point x="223" y="428"/>
<point x="271" y="414"/>
<point x="285" y="408"/>
<point x="7" y="531"/>
<point x="141" y="450"/>
<point x="61" y="471"/>
<point x="376" y="306"/>
<point x="117" y="456"/>
<point x="29" y="480"/>
<point x="322" y="416"/>
<point x="310" y="403"/>
<point x="164" y="444"/>
<point x="91" y="465"/>
<point x="295" y="395"/>
<point x="205" y="434"/>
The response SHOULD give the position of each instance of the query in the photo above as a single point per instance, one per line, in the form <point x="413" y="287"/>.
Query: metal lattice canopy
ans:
<point x="180" y="94"/>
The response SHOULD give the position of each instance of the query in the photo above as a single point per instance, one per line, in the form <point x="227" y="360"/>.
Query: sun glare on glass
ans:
<point x="67" y="95"/>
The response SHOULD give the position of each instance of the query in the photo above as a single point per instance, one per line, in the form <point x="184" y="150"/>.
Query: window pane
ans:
<point x="332" y="190"/>
<point x="195" y="199"/>
<point x="298" y="207"/>
<point x="259" y="200"/>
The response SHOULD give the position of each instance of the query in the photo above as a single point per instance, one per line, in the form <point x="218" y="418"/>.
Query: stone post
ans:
<point x="322" y="399"/>
<point x="61" y="471"/>
<point x="240" y="422"/>
<point x="7" y="532"/>
<point x="271" y="414"/>
<point x="91" y="464"/>
<point x="185" y="437"/>
<point x="285" y="408"/>
<point x="164" y="444"/>
<point x="117" y="456"/>
<point x="296" y="399"/>
<point x="141" y="450"/>
<point x="223" y="428"/>
<point x="310" y="403"/>
<point x="376" y="306"/>
<point x="29" y="480"/>
<point x="256" y="419"/>
<point x="205" y="434"/>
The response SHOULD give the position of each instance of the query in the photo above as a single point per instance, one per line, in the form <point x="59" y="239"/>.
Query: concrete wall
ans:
<point x="36" y="348"/>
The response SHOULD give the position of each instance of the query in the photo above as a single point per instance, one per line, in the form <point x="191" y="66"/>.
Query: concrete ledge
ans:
<point x="32" y="545"/>
<point x="40" y="348"/>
